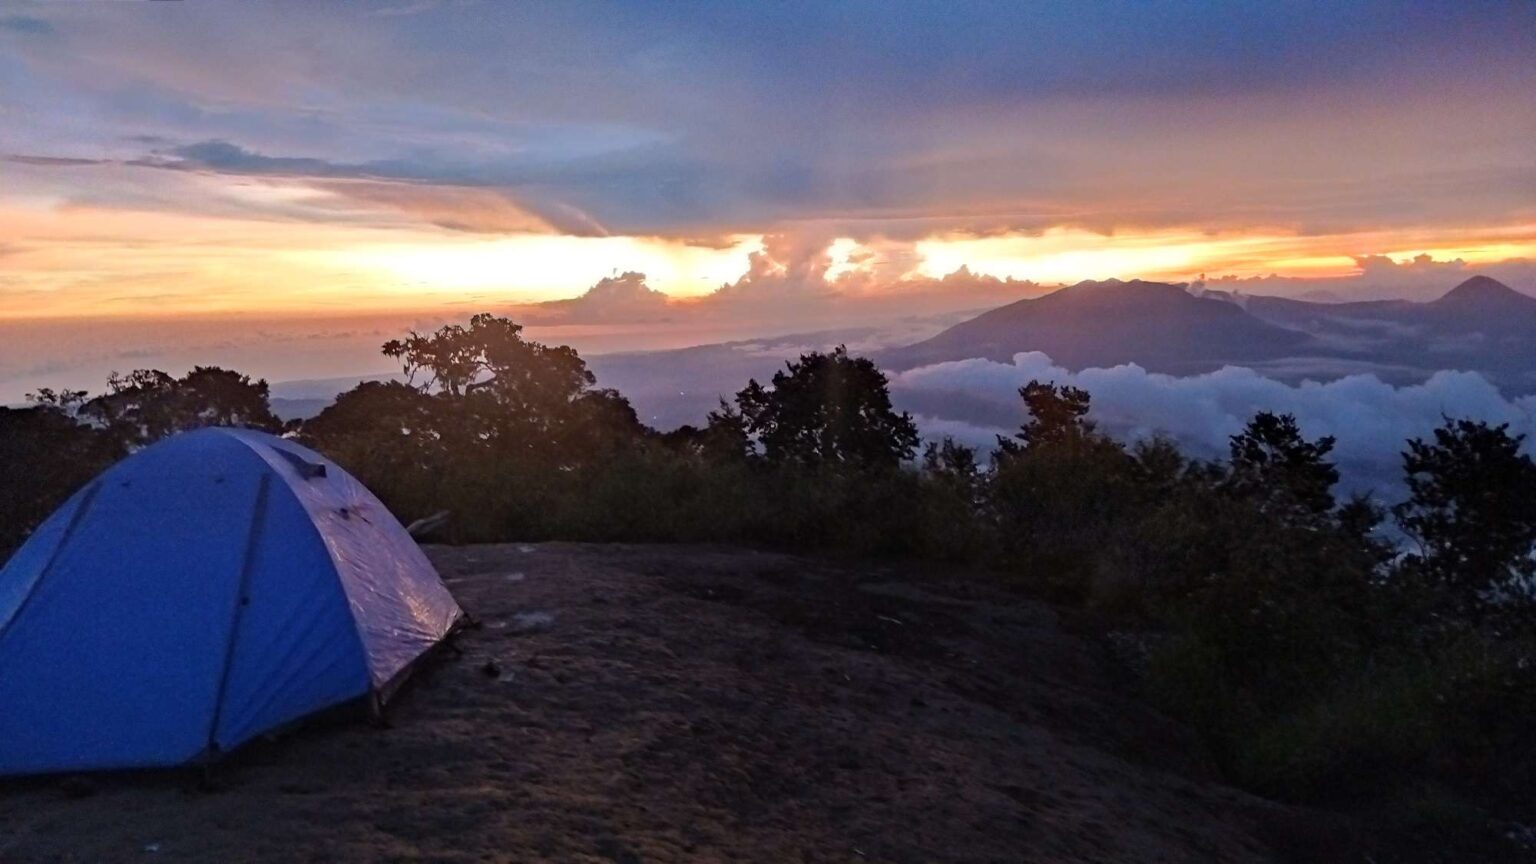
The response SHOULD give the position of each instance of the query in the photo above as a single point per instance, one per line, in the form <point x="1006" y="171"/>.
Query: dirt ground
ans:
<point x="660" y="703"/>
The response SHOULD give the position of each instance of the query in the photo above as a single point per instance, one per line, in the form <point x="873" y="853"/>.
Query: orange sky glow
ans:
<point x="165" y="160"/>
<point x="283" y="190"/>
<point x="65" y="261"/>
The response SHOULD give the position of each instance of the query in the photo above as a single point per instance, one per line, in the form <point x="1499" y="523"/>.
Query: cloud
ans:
<point x="456" y="208"/>
<point x="419" y="192"/>
<point x="808" y="271"/>
<point x="26" y="25"/>
<point x="754" y="118"/>
<point x="972" y="399"/>
<point x="791" y="279"/>
<point x="790" y="267"/>
<point x="413" y="8"/>
<point x="1421" y="277"/>
<point x="456" y="196"/>
<point x="51" y="161"/>
<point x="224" y="156"/>
<point x="625" y="298"/>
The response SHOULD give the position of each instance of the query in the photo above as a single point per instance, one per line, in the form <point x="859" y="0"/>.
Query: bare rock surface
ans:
<point x="665" y="703"/>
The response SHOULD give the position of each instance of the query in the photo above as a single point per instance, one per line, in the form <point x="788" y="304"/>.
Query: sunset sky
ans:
<point x="325" y="159"/>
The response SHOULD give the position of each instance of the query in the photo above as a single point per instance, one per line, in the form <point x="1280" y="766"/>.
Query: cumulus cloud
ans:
<point x="796" y="278"/>
<point x="789" y="266"/>
<point x="815" y="271"/>
<point x="972" y="399"/>
<point x="624" y="298"/>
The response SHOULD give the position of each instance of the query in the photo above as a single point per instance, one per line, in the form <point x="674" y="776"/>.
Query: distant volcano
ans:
<point x="1157" y="325"/>
<point x="1481" y="325"/>
<point x="1482" y="295"/>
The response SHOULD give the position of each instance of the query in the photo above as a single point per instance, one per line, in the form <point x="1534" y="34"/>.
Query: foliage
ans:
<point x="1287" y="476"/>
<point x="490" y="355"/>
<point x="146" y="405"/>
<point x="1472" y="511"/>
<point x="1057" y="414"/>
<point x="1317" y="661"/>
<point x="828" y="408"/>
<point x="45" y="455"/>
<point x="49" y="450"/>
<point x="1058" y="494"/>
<point x="724" y="437"/>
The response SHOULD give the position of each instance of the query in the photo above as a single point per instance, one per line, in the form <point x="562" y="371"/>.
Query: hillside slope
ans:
<point x="696" y="704"/>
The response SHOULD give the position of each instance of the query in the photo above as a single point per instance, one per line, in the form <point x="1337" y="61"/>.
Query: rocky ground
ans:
<point x="661" y="703"/>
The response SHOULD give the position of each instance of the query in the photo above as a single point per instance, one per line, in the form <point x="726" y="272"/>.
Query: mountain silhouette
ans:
<point x="1160" y="326"/>
<point x="1484" y="289"/>
<point x="1487" y="301"/>
<point x="1481" y="325"/>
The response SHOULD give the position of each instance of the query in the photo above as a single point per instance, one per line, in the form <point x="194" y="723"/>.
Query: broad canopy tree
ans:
<point x="827" y="409"/>
<point x="65" y="437"/>
<point x="1472" y="512"/>
<point x="1273" y="464"/>
<point x="1057" y="414"/>
<point x="146" y="405"/>
<point x="45" y="454"/>
<point x="478" y="389"/>
<point x="490" y="356"/>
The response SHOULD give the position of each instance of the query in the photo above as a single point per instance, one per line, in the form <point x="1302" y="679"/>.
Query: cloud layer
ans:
<point x="1381" y="278"/>
<point x="731" y="117"/>
<point x="975" y="400"/>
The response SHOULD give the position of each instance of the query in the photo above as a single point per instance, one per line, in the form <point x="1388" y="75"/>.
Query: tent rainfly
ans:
<point x="206" y="590"/>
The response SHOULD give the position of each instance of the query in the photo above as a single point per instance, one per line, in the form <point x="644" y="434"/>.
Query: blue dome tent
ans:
<point x="206" y="590"/>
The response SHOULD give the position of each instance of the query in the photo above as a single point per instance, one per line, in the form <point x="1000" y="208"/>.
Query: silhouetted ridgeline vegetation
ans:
<point x="1322" y="663"/>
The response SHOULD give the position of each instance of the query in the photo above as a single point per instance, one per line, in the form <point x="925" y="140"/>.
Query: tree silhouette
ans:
<point x="1058" y="487"/>
<point x="1472" y="510"/>
<point x="1057" y="415"/>
<point x="723" y="438"/>
<point x="377" y="419"/>
<point x="146" y="405"/>
<point x="491" y="356"/>
<point x="45" y="454"/>
<point x="1274" y="465"/>
<point x="828" y="409"/>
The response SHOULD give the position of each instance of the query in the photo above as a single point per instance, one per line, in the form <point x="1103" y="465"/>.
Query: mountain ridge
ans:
<point x="1158" y="325"/>
<point x="1480" y="325"/>
<point x="1483" y="290"/>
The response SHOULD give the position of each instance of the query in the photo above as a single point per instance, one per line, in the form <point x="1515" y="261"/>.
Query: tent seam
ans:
<point x="53" y="557"/>
<point x="330" y="552"/>
<point x="258" y="524"/>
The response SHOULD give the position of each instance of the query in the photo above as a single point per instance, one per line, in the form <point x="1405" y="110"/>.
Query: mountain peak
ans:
<point x="1122" y="297"/>
<point x="1482" y="290"/>
<point x="1119" y="290"/>
<point x="1090" y="284"/>
<point x="1159" y="325"/>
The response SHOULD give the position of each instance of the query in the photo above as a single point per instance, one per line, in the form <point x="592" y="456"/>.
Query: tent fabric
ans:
<point x="202" y="592"/>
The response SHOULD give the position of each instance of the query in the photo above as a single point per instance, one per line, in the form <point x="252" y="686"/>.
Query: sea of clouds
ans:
<point x="976" y="400"/>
